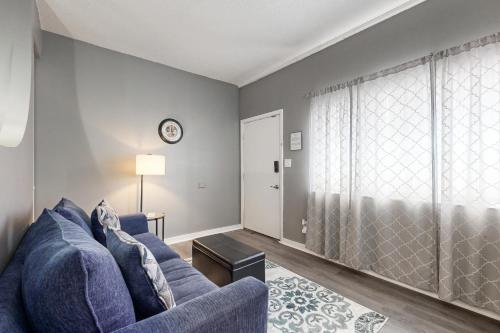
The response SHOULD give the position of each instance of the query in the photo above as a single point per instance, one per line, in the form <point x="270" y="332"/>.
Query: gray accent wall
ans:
<point x="97" y="109"/>
<point x="16" y="164"/>
<point x="16" y="192"/>
<point x="431" y="26"/>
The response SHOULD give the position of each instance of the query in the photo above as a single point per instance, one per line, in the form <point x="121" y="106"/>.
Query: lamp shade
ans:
<point x="150" y="165"/>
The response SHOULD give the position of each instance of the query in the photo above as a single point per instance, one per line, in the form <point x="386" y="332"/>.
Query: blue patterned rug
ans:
<point x="297" y="304"/>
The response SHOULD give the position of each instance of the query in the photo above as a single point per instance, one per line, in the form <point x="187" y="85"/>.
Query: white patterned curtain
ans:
<point x="405" y="173"/>
<point x="392" y="230"/>
<point x="370" y="200"/>
<point x="329" y="172"/>
<point x="468" y="106"/>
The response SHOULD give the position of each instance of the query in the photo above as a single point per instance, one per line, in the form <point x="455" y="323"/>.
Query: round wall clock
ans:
<point x="170" y="131"/>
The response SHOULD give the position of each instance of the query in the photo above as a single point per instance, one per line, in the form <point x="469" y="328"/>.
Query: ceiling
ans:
<point x="236" y="41"/>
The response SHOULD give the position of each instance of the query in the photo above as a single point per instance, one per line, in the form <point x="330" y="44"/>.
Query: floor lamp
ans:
<point x="149" y="165"/>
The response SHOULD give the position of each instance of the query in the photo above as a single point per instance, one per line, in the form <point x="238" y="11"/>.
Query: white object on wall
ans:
<point x="296" y="141"/>
<point x="304" y="226"/>
<point x="288" y="163"/>
<point x="16" y="70"/>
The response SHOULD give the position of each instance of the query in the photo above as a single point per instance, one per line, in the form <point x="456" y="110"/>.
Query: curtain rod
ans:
<point x="491" y="39"/>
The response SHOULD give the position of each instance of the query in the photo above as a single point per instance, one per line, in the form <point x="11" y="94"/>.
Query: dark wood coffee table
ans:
<point x="223" y="259"/>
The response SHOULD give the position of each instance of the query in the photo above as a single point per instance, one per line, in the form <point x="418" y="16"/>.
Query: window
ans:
<point x="405" y="164"/>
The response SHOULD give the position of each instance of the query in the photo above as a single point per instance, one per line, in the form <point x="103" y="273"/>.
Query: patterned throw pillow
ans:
<point x="103" y="217"/>
<point x="107" y="216"/>
<point x="148" y="287"/>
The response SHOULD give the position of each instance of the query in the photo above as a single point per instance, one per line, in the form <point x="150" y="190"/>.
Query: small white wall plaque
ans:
<point x="296" y="141"/>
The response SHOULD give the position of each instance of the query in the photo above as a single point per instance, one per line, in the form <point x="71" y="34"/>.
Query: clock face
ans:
<point x="170" y="131"/>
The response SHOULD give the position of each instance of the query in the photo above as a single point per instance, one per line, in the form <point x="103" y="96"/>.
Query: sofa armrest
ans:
<point x="134" y="224"/>
<point x="238" y="307"/>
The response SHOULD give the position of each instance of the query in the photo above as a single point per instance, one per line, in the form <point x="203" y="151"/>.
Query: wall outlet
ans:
<point x="288" y="163"/>
<point x="304" y="226"/>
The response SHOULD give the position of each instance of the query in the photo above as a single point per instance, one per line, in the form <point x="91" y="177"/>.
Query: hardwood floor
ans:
<point x="408" y="311"/>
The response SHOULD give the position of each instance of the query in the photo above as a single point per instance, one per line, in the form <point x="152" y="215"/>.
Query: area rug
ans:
<point x="297" y="304"/>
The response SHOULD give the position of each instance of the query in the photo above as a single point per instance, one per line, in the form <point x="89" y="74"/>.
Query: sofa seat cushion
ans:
<point x="69" y="210"/>
<point x="185" y="281"/>
<point x="160" y="250"/>
<point x="148" y="287"/>
<point x="70" y="283"/>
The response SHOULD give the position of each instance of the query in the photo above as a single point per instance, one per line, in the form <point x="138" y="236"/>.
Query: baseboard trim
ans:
<point x="298" y="246"/>
<point x="191" y="236"/>
<point x="302" y="247"/>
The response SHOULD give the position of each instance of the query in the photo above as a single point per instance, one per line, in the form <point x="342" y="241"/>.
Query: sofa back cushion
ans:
<point x="69" y="210"/>
<point x="12" y="315"/>
<point x="70" y="283"/>
<point x="150" y="291"/>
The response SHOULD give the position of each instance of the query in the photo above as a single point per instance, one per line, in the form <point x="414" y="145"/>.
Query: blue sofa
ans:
<point x="25" y="287"/>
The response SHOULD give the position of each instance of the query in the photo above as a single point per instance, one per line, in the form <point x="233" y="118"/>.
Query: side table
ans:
<point x="156" y="217"/>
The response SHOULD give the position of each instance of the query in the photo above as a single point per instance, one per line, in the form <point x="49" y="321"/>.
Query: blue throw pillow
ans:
<point x="69" y="210"/>
<point x="71" y="283"/>
<point x="148" y="287"/>
<point x="102" y="217"/>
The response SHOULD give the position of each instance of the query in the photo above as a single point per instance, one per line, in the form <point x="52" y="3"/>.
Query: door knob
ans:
<point x="277" y="187"/>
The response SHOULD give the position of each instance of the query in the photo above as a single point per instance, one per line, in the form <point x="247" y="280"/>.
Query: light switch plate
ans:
<point x="288" y="163"/>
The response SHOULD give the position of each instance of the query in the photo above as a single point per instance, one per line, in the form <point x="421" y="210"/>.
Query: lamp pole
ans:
<point x="142" y="176"/>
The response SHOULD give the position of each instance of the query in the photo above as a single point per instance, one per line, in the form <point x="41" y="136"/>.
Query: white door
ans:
<point x="261" y="174"/>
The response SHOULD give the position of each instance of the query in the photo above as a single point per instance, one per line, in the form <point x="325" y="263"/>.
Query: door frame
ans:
<point x="243" y="122"/>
